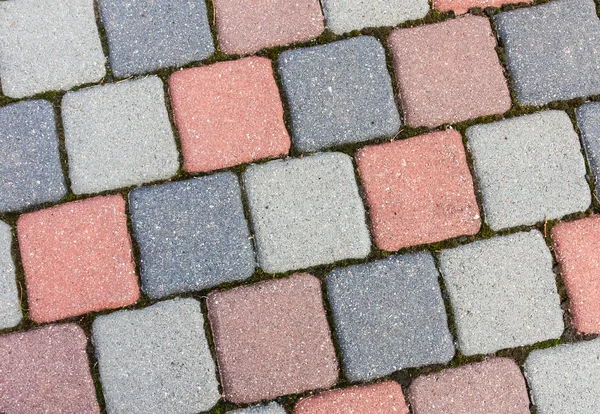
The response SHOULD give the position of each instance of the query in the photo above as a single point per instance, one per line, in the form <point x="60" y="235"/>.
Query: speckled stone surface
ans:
<point x="588" y="121"/>
<point x="118" y="135"/>
<point x="529" y="169"/>
<point x="398" y="302"/>
<point x="156" y="359"/>
<point x="30" y="171"/>
<point x="46" y="371"/>
<point x="339" y="93"/>
<point x="503" y="292"/>
<point x="272" y="408"/>
<point x="192" y="234"/>
<point x="48" y="45"/>
<point x="10" y="305"/>
<point x="463" y="6"/>
<point x="272" y="339"/>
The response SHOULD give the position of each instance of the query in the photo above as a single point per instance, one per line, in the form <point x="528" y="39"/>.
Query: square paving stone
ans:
<point x="156" y="359"/>
<point x="48" y="45"/>
<point x="118" y="135"/>
<point x="228" y="113"/>
<point x="552" y="50"/>
<point x="77" y="258"/>
<point x="306" y="212"/>
<point x="272" y="408"/>
<point x="46" y="370"/>
<point x="272" y="339"/>
<point x="419" y="190"/>
<point x="588" y="121"/>
<point x="529" y="169"/>
<point x="10" y="305"/>
<point x="192" y="234"/>
<point x="463" y="6"/>
<point x="503" y="292"/>
<point x="30" y="171"/>
<point x="144" y="36"/>
<point x="396" y="301"/>
<point x="449" y="72"/>
<point x="339" y="93"/>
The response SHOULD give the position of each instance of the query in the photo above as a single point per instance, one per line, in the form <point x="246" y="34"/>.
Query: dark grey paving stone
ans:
<point x="192" y="234"/>
<point x="389" y="315"/>
<point x="553" y="50"/>
<point x="30" y="171"/>
<point x="10" y="306"/>
<point x="272" y="408"/>
<point x="339" y="93"/>
<point x="588" y="120"/>
<point x="144" y="35"/>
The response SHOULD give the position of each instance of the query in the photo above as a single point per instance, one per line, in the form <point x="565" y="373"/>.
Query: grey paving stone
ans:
<point x="118" y="135"/>
<point x="30" y="171"/>
<point x="588" y="121"/>
<point x="10" y="306"/>
<point x="389" y="315"/>
<point x="144" y="36"/>
<point x="565" y="379"/>
<point x="156" y="359"/>
<point x="502" y="292"/>
<point x="306" y="212"/>
<point x="192" y="234"/>
<point x="48" y="45"/>
<point x="529" y="168"/>
<point x="272" y="408"/>
<point x="339" y="93"/>
<point x="553" y="50"/>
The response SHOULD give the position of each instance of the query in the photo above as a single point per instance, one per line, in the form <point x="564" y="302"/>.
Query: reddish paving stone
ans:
<point x="228" y="113"/>
<point x="77" y="258"/>
<point x="272" y="339"/>
<point x="449" y="72"/>
<point x="46" y="371"/>
<point x="463" y="6"/>
<point x="419" y="190"/>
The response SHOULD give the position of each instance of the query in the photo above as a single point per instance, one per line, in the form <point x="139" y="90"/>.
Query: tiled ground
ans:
<point x="300" y="206"/>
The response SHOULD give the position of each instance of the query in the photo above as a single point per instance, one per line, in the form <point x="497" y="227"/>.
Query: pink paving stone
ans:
<point x="245" y="27"/>
<point x="495" y="386"/>
<point x="463" y="6"/>
<point x="77" y="258"/>
<point x="449" y="72"/>
<point x="228" y="113"/>
<point x="419" y="190"/>
<point x="46" y="370"/>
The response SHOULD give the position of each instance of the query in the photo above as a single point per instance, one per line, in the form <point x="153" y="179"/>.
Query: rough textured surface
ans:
<point x="272" y="408"/>
<point x="192" y="234"/>
<point x="529" y="169"/>
<point x="272" y="339"/>
<point x="449" y="72"/>
<point x="553" y="50"/>
<point x="228" y="113"/>
<point x="30" y="171"/>
<point x="419" y="190"/>
<point x="77" y="258"/>
<point x="398" y="302"/>
<point x="144" y="36"/>
<point x="306" y="212"/>
<point x="156" y="359"/>
<point x="463" y="6"/>
<point x="118" y="135"/>
<point x="339" y="93"/>
<point x="494" y="386"/>
<point x="46" y="371"/>
<point x="10" y="305"/>
<point x="588" y="121"/>
<point x="502" y="292"/>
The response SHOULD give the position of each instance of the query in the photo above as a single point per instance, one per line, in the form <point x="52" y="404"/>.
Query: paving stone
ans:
<point x="10" y="305"/>
<point x="502" y="292"/>
<point x="192" y="234"/>
<point x="144" y="36"/>
<point x="552" y="50"/>
<point x="272" y="408"/>
<point x="46" y="370"/>
<point x="246" y="27"/>
<point x="156" y="359"/>
<point x="449" y="72"/>
<point x="48" y="45"/>
<point x="118" y="135"/>
<point x="419" y="190"/>
<point x="494" y="386"/>
<point x="228" y="113"/>
<point x="396" y="300"/>
<point x="529" y="169"/>
<point x="30" y="172"/>
<point x="463" y="6"/>
<point x="588" y="121"/>
<point x="77" y="258"/>
<point x="306" y="212"/>
<point x="272" y="339"/>
<point x="339" y="93"/>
